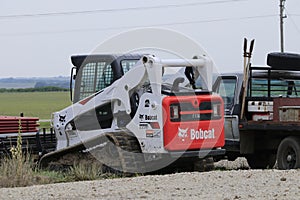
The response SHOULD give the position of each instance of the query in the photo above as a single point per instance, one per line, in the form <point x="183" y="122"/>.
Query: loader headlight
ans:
<point x="70" y="129"/>
<point x="174" y="112"/>
<point x="216" y="106"/>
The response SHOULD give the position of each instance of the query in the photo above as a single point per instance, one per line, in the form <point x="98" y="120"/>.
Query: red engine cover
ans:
<point x="197" y="127"/>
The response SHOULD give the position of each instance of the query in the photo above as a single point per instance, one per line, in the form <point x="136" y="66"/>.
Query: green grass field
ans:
<point x="33" y="104"/>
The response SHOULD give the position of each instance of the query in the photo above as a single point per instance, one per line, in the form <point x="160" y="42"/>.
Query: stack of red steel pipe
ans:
<point x="11" y="124"/>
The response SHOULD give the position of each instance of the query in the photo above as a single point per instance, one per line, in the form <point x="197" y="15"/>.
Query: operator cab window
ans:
<point x="127" y="65"/>
<point x="104" y="77"/>
<point x="98" y="75"/>
<point x="95" y="76"/>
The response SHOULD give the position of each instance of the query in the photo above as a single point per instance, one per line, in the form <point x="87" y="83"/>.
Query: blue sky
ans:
<point x="37" y="38"/>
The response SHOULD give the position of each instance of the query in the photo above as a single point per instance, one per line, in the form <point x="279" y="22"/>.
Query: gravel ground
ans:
<point x="218" y="184"/>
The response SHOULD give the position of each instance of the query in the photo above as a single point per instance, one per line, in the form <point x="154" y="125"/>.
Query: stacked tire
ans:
<point x="284" y="61"/>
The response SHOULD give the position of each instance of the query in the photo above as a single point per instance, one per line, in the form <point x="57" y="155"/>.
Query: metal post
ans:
<point x="282" y="16"/>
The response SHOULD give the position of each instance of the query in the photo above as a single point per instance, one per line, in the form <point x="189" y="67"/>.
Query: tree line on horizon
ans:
<point x="38" y="89"/>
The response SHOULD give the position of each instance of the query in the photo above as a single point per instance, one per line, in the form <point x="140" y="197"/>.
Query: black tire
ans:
<point x="288" y="154"/>
<point x="284" y="61"/>
<point x="261" y="160"/>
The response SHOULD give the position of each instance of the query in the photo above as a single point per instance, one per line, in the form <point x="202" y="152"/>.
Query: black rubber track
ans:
<point x="126" y="146"/>
<point x="130" y="154"/>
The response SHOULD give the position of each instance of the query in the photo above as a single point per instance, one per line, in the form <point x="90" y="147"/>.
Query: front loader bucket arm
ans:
<point x="122" y="87"/>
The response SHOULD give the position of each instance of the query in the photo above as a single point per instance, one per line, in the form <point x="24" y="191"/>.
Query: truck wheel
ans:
<point x="261" y="160"/>
<point x="284" y="61"/>
<point x="288" y="155"/>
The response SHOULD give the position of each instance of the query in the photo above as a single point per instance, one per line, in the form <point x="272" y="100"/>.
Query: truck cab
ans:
<point x="269" y="129"/>
<point x="229" y="87"/>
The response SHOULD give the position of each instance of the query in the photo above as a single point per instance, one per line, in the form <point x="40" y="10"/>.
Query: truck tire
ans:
<point x="284" y="61"/>
<point x="261" y="160"/>
<point x="288" y="154"/>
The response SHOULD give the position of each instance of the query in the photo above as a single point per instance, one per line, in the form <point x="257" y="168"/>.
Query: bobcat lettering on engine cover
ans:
<point x="150" y="117"/>
<point x="202" y="134"/>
